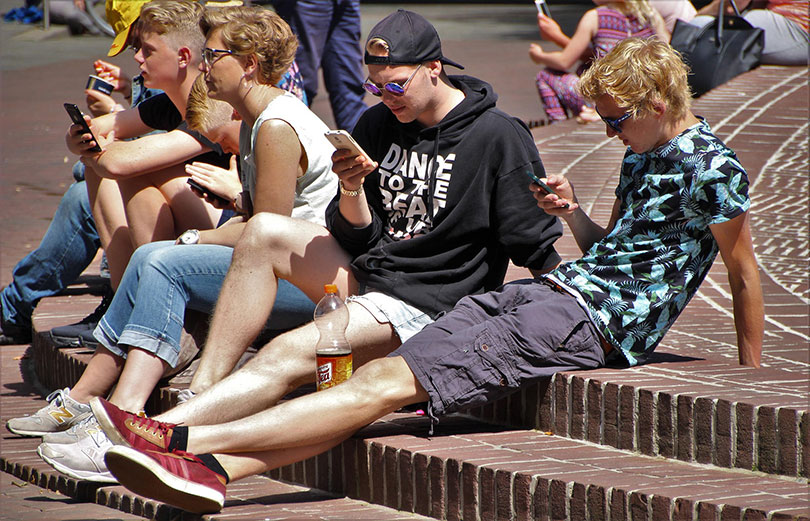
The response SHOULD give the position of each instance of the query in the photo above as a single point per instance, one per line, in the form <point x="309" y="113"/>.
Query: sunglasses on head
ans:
<point x="614" y="124"/>
<point x="394" y="88"/>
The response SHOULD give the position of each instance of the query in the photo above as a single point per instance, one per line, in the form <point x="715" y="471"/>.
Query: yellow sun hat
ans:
<point x="121" y="14"/>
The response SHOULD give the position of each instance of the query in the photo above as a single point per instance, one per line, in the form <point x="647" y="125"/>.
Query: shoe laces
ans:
<point x="57" y="397"/>
<point x="152" y="427"/>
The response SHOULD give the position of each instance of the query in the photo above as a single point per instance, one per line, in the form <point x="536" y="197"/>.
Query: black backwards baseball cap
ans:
<point x="411" y="39"/>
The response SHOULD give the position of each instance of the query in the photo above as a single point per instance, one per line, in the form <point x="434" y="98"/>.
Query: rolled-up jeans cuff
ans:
<point x="135" y="337"/>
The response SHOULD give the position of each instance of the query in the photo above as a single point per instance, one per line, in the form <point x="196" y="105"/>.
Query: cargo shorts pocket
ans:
<point x="474" y="374"/>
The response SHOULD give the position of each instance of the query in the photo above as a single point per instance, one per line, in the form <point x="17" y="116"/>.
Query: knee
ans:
<point x="386" y="380"/>
<point x="264" y="231"/>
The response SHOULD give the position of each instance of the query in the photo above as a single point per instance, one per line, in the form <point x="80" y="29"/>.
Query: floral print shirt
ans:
<point x="637" y="279"/>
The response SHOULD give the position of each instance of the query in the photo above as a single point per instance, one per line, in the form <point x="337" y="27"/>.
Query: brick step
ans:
<point x="704" y="411"/>
<point x="470" y="470"/>
<point x="258" y="497"/>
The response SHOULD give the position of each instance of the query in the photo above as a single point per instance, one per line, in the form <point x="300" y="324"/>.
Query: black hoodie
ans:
<point x="468" y="173"/>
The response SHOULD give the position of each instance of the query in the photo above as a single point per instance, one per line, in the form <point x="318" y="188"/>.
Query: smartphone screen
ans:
<point x="543" y="185"/>
<point x="77" y="118"/>
<point x="542" y="7"/>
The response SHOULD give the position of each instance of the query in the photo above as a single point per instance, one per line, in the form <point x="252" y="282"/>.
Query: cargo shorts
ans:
<point x="491" y="345"/>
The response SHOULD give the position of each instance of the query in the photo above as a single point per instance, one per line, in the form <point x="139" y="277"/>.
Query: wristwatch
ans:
<point x="189" y="237"/>
<point x="350" y="193"/>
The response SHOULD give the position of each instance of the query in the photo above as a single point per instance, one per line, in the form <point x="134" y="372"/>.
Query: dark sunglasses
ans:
<point x="394" y="88"/>
<point x="614" y="124"/>
<point x="210" y="55"/>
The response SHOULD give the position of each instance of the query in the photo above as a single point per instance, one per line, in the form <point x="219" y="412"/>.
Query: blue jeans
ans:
<point x="68" y="247"/>
<point x="329" y="37"/>
<point x="161" y="281"/>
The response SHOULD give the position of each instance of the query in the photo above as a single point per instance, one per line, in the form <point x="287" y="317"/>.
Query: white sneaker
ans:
<point x="73" y="434"/>
<point x="83" y="459"/>
<point x="59" y="415"/>
<point x="185" y="395"/>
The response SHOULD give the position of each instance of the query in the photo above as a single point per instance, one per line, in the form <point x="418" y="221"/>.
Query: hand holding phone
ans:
<point x="207" y="193"/>
<point x="544" y="186"/>
<point x="342" y="140"/>
<point x="542" y="7"/>
<point x="77" y="118"/>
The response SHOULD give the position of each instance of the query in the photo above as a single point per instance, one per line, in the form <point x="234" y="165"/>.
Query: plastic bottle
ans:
<point x="333" y="351"/>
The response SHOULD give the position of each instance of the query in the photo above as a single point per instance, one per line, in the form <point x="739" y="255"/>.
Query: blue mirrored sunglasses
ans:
<point x="614" y="124"/>
<point x="394" y="88"/>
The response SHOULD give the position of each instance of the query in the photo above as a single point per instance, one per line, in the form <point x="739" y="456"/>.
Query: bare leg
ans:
<point x="111" y="223"/>
<point x="98" y="377"/>
<point x="281" y="366"/>
<point x="160" y="206"/>
<point x="271" y="247"/>
<point x="142" y="371"/>
<point x="311" y="423"/>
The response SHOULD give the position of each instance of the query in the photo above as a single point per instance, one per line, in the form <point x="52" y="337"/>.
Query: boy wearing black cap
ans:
<point x="435" y="214"/>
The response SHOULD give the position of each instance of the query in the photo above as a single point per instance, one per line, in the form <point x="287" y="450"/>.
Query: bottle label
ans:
<point x="333" y="368"/>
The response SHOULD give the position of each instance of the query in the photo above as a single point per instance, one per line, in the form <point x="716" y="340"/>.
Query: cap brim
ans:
<point x="119" y="42"/>
<point x="451" y="62"/>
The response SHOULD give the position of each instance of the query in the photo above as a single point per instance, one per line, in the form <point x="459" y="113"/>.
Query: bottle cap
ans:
<point x="330" y="288"/>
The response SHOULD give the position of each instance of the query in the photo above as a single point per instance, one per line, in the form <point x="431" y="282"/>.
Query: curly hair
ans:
<point x="637" y="73"/>
<point x="177" y="20"/>
<point x="254" y="30"/>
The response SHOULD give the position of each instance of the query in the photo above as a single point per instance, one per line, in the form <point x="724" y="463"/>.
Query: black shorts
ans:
<point x="492" y="344"/>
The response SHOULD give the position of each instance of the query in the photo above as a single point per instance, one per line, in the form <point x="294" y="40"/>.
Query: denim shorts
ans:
<point x="404" y="318"/>
<point x="491" y="345"/>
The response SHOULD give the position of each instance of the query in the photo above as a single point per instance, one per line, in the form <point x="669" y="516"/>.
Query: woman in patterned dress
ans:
<point x="598" y="32"/>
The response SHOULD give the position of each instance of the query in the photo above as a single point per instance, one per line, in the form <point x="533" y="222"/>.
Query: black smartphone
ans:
<point x="76" y="116"/>
<point x="543" y="185"/>
<point x="207" y="192"/>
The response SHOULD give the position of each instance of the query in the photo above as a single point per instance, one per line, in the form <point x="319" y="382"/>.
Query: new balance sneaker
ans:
<point x="81" y="460"/>
<point x="131" y="430"/>
<point x="61" y="413"/>
<point x="73" y="434"/>
<point x="70" y="335"/>
<point x="177" y="478"/>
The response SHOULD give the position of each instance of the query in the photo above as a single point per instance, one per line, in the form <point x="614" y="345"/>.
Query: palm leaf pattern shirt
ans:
<point x="637" y="279"/>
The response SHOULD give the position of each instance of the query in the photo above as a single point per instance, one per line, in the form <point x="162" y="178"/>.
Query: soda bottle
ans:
<point x="333" y="352"/>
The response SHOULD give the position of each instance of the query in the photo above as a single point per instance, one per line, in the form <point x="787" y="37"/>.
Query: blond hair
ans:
<point x="255" y="30"/>
<point x="641" y="10"/>
<point x="204" y="114"/>
<point x="637" y="73"/>
<point x="377" y="47"/>
<point x="176" y="20"/>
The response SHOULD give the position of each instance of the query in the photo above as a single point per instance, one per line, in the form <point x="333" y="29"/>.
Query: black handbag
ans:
<point x="724" y="48"/>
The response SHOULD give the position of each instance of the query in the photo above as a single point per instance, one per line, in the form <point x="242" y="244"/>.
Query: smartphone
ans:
<point x="207" y="192"/>
<point x="543" y="185"/>
<point x="76" y="116"/>
<point x="542" y="7"/>
<point x="343" y="140"/>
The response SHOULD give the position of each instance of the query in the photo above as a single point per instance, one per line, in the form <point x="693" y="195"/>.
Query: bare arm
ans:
<point x="568" y="56"/>
<point x="123" y="159"/>
<point x="660" y="27"/>
<point x="737" y="251"/>
<point x="280" y="159"/>
<point x="585" y="231"/>
<point x="352" y="170"/>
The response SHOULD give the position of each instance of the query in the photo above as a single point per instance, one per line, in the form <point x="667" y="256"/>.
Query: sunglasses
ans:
<point x="614" y="124"/>
<point x="210" y="55"/>
<point x="394" y="88"/>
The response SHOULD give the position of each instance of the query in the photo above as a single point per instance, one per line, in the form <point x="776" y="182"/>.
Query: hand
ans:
<point x="536" y="53"/>
<point x="99" y="103"/>
<point x="555" y="204"/>
<point x="217" y="181"/>
<point x="351" y="169"/>
<point x="549" y="29"/>
<point x="79" y="142"/>
<point x="112" y="74"/>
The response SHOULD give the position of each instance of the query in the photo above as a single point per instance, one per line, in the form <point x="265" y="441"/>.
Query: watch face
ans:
<point x="190" y="237"/>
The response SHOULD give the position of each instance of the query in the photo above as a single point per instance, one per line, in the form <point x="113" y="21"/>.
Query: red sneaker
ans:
<point x="131" y="430"/>
<point x="177" y="478"/>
